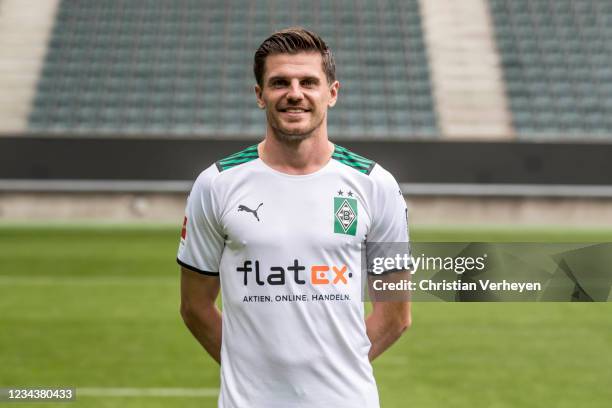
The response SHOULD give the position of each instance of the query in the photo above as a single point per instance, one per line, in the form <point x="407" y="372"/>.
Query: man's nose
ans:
<point x="295" y="91"/>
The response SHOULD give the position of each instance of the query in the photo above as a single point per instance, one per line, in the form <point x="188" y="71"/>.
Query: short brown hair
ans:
<point x="291" y="41"/>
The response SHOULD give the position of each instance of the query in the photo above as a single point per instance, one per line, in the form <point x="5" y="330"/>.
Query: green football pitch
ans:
<point x="96" y="308"/>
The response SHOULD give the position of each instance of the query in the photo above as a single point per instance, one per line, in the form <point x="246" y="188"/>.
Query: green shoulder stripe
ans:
<point x="359" y="163"/>
<point x="243" y="156"/>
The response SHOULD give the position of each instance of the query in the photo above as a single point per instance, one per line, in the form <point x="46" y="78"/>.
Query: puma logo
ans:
<point x="247" y="209"/>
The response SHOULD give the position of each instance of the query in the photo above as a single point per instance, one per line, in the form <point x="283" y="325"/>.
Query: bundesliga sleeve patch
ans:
<point x="184" y="229"/>
<point x="345" y="215"/>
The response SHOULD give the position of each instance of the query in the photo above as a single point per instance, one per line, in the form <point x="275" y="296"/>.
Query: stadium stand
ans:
<point x="184" y="67"/>
<point x="557" y="65"/>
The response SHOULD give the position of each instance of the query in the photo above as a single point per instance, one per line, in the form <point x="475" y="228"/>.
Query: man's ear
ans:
<point x="333" y="90"/>
<point x="260" y="101"/>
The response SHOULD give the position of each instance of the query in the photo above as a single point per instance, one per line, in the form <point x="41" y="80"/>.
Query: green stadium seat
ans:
<point x="556" y="66"/>
<point x="143" y="66"/>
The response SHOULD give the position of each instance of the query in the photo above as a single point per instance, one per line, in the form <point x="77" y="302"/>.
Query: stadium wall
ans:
<point x="165" y="159"/>
<point x="145" y="179"/>
<point x="423" y="210"/>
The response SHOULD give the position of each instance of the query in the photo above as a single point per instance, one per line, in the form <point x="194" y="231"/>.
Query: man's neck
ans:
<point x="296" y="158"/>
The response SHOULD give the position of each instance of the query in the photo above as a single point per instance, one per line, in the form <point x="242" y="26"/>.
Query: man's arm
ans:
<point x="386" y="324"/>
<point x="388" y="320"/>
<point x="199" y="312"/>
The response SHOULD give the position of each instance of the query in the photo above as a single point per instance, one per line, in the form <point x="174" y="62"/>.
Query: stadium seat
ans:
<point x="556" y="65"/>
<point x="143" y="66"/>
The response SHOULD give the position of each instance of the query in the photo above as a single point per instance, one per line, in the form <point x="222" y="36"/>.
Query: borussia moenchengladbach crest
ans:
<point x="345" y="215"/>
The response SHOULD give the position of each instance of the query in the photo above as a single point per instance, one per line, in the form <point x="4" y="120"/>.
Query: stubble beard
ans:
<point x="296" y="136"/>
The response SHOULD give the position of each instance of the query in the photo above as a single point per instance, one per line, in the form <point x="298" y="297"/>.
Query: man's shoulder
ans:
<point x="219" y="169"/>
<point x="367" y="170"/>
<point x="353" y="161"/>
<point x="236" y="159"/>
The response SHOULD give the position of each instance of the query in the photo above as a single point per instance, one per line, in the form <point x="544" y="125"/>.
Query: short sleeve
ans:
<point x="388" y="235"/>
<point x="390" y="214"/>
<point x="202" y="239"/>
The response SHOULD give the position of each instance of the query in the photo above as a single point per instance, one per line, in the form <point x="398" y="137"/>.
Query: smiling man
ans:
<point x="278" y="227"/>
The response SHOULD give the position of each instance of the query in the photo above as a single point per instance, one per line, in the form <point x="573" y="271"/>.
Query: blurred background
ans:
<point x="495" y="116"/>
<point x="486" y="111"/>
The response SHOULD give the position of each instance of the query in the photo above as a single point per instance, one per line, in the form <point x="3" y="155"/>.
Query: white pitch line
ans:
<point x="85" y="281"/>
<point x="147" y="392"/>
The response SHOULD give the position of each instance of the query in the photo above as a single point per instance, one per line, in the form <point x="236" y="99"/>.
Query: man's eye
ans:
<point x="308" y="82"/>
<point x="278" y="84"/>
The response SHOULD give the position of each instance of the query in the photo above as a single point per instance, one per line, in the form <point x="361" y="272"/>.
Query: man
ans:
<point x="279" y="227"/>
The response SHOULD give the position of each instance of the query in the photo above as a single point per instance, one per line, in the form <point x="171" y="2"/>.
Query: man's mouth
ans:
<point x="294" y="110"/>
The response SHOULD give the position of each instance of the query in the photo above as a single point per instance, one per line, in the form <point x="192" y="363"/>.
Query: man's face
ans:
<point x="295" y="94"/>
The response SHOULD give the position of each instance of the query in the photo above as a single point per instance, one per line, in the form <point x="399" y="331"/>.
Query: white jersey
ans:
<point x="287" y="249"/>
